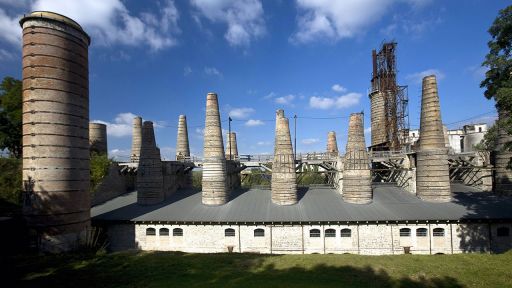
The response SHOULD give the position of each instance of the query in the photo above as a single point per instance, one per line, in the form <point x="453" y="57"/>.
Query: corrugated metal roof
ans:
<point x="316" y="204"/>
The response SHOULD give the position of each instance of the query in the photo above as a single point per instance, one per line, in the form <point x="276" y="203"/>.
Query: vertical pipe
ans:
<point x="182" y="143"/>
<point x="136" y="139"/>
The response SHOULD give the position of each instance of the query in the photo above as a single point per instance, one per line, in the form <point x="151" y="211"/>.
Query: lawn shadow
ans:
<point x="169" y="269"/>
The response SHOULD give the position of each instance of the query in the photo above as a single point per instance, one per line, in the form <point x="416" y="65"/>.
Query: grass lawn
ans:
<point x="172" y="269"/>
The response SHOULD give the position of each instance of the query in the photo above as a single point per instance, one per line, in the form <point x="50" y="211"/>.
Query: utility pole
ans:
<point x="229" y="136"/>
<point x="295" y="138"/>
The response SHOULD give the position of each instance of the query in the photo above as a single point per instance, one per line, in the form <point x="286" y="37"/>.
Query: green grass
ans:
<point x="171" y="269"/>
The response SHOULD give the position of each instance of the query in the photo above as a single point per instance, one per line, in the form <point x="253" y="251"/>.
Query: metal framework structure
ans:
<point x="395" y="97"/>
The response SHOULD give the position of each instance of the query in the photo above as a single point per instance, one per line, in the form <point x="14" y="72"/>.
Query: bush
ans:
<point x="99" y="169"/>
<point x="197" y="179"/>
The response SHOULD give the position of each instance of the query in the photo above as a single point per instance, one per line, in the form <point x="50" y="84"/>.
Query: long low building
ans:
<point x="321" y="222"/>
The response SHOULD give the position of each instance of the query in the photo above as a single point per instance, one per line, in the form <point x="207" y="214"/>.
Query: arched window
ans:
<point x="259" y="232"/>
<point x="346" y="232"/>
<point x="405" y="232"/>
<point x="421" y="232"/>
<point x="230" y="232"/>
<point x="330" y="233"/>
<point x="163" y="232"/>
<point x="314" y="233"/>
<point x="177" y="232"/>
<point x="503" y="232"/>
<point x="150" y="232"/>
<point x="438" y="232"/>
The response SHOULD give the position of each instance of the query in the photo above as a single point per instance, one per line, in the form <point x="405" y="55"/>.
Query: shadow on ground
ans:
<point x="164" y="269"/>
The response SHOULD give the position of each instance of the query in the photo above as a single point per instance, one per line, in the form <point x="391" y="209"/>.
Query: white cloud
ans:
<point x="110" y="22"/>
<point x="241" y="113"/>
<point x="6" y="55"/>
<point x="417" y="77"/>
<point x="339" y="102"/>
<point x="310" y="141"/>
<point x="338" y="88"/>
<point x="368" y="130"/>
<point x="478" y="72"/>
<point x="253" y="122"/>
<point x="10" y="29"/>
<point x="187" y="70"/>
<point x="168" y="153"/>
<point x="270" y="95"/>
<point x="212" y="71"/>
<point x="263" y="143"/>
<point x="122" y="125"/>
<point x="336" y="20"/>
<point x="120" y="154"/>
<point x="244" y="18"/>
<point x="285" y="100"/>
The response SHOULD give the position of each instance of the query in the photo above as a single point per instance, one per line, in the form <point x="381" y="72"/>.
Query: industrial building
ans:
<point x="392" y="198"/>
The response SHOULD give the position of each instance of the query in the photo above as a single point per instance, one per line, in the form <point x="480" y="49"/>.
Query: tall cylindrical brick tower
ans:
<point x="214" y="162"/>
<point x="332" y="144"/>
<point x="231" y="146"/>
<point x="55" y="129"/>
<point x="136" y="139"/>
<point x="284" y="177"/>
<point x="182" y="144"/>
<point x="357" y="180"/>
<point x="432" y="174"/>
<point x="98" y="138"/>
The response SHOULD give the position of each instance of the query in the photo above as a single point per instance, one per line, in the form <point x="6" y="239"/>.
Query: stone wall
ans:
<point x="365" y="239"/>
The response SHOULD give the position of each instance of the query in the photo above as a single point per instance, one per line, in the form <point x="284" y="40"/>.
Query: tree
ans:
<point x="11" y="116"/>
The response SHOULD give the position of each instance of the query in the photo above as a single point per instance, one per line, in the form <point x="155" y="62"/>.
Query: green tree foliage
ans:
<point x="10" y="185"/>
<point x="498" y="79"/>
<point x="99" y="169"/>
<point x="11" y="116"/>
<point x="490" y="140"/>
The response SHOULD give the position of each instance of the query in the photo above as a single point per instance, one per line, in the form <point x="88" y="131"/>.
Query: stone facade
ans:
<point x="364" y="239"/>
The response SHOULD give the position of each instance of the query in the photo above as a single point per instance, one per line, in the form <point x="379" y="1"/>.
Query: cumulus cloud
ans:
<point x="212" y="71"/>
<point x="241" y="113"/>
<point x="122" y="125"/>
<point x="335" y="20"/>
<point x="368" y="130"/>
<point x="254" y="122"/>
<point x="338" y="88"/>
<point x="6" y="55"/>
<point x="10" y="30"/>
<point x="270" y="95"/>
<point x="417" y="77"/>
<point x="244" y="18"/>
<point x="110" y="22"/>
<point x="263" y="143"/>
<point x="120" y="154"/>
<point x="339" y="102"/>
<point x="187" y="70"/>
<point x="285" y="100"/>
<point x="310" y="141"/>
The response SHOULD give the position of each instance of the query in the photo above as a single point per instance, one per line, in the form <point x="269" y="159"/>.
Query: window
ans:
<point x="259" y="232"/>
<point x="438" y="232"/>
<point x="164" y="232"/>
<point x="230" y="232"/>
<point x="421" y="232"/>
<point x="413" y="134"/>
<point x="479" y="129"/>
<point x="346" y="232"/>
<point x="177" y="232"/>
<point x="503" y="232"/>
<point x="330" y="233"/>
<point x="314" y="233"/>
<point x="150" y="232"/>
<point x="405" y="232"/>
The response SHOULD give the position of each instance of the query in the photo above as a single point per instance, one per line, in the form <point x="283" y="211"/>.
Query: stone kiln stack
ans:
<point x="284" y="177"/>
<point x="231" y="148"/>
<point x="432" y="174"/>
<point x="98" y="138"/>
<point x="55" y="129"/>
<point x="182" y="144"/>
<point x="332" y="144"/>
<point x="149" y="173"/>
<point x="357" y="180"/>
<point x="136" y="139"/>
<point x="214" y="163"/>
<point x="503" y="176"/>
<point x="378" y="118"/>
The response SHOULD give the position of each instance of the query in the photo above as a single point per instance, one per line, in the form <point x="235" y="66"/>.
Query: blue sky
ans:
<point x="159" y="59"/>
